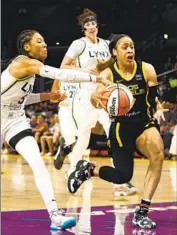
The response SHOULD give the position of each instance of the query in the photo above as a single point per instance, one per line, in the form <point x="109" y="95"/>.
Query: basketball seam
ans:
<point x="109" y="97"/>
<point x="108" y="100"/>
<point x="128" y="99"/>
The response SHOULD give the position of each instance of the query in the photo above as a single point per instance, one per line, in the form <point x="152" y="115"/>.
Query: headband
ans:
<point x="114" y="40"/>
<point x="89" y="18"/>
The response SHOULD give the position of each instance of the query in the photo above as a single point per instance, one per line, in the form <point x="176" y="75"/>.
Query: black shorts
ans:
<point x="122" y="139"/>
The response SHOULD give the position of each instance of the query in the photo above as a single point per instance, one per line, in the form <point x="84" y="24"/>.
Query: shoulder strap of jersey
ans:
<point x="82" y="39"/>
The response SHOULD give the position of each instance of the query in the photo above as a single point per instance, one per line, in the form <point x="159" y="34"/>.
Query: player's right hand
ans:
<point x="103" y="81"/>
<point x="93" y="70"/>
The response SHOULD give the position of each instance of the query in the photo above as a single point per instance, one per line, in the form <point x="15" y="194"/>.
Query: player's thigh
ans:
<point x="67" y="122"/>
<point x="122" y="146"/>
<point x="83" y="111"/>
<point x="16" y="127"/>
<point x="150" y="144"/>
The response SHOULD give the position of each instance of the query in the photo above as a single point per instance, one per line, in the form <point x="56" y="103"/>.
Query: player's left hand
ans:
<point x="96" y="100"/>
<point x="57" y="96"/>
<point x="159" y="114"/>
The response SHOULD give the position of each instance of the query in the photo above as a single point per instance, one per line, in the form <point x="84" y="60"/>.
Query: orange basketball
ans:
<point x="120" y="99"/>
<point x="107" y="92"/>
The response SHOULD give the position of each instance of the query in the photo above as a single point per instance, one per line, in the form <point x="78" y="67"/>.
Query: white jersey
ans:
<point x="70" y="89"/>
<point x="88" y="54"/>
<point x="14" y="93"/>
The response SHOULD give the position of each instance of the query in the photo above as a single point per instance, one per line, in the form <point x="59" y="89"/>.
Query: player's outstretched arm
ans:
<point x="53" y="97"/>
<point x="26" y="67"/>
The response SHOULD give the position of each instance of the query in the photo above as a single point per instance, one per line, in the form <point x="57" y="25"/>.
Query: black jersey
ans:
<point x="138" y="86"/>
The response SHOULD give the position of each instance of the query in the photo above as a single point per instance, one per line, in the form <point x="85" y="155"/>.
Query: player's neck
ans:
<point x="32" y="57"/>
<point x="93" y="39"/>
<point x="126" y="68"/>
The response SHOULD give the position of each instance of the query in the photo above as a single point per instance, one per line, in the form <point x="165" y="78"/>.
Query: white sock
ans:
<point x="29" y="150"/>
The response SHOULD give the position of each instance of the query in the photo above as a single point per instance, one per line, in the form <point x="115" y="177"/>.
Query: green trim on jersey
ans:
<point x="73" y="111"/>
<point x="81" y="52"/>
<point x="18" y="80"/>
<point x="9" y="87"/>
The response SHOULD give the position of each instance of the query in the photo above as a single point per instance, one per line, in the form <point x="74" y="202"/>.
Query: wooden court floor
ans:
<point x="19" y="192"/>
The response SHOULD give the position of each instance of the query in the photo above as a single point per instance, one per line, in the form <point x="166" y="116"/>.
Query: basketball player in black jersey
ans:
<point x="137" y="129"/>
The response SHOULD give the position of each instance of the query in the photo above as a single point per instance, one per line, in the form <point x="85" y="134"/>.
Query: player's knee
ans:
<point x="157" y="153"/>
<point x="123" y="176"/>
<point x="157" y="157"/>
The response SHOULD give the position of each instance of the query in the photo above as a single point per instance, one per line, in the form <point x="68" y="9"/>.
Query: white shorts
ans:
<point x="11" y="127"/>
<point x="86" y="115"/>
<point x="67" y="124"/>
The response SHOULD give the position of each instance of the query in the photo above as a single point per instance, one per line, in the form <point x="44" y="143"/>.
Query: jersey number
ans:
<point x="71" y="94"/>
<point x="27" y="89"/>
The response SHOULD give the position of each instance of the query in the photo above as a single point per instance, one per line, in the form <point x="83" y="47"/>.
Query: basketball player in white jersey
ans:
<point x="16" y="85"/>
<point x="84" y="54"/>
<point x="67" y="124"/>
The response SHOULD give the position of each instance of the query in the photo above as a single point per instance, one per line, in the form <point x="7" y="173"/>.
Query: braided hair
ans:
<point x="24" y="37"/>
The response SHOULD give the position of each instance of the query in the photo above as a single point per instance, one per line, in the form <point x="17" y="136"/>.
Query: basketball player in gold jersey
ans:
<point x="137" y="129"/>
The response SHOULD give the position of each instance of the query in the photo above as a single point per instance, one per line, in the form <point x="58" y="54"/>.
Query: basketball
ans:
<point x="120" y="99"/>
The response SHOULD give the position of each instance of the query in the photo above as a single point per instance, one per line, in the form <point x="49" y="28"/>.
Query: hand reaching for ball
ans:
<point x="97" y="100"/>
<point x="116" y="99"/>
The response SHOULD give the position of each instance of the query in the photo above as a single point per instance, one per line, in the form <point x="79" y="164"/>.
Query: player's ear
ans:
<point x="26" y="47"/>
<point x="114" y="52"/>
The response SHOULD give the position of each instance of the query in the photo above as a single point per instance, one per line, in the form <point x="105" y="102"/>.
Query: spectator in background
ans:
<point x="171" y="116"/>
<point x="30" y="111"/>
<point x="40" y="128"/>
<point x="51" y="137"/>
<point x="167" y="126"/>
<point x="33" y="121"/>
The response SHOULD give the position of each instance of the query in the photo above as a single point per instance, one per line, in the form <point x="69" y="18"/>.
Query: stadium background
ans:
<point x="152" y="25"/>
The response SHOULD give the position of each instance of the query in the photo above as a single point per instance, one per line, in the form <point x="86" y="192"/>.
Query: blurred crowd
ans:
<point x="168" y="81"/>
